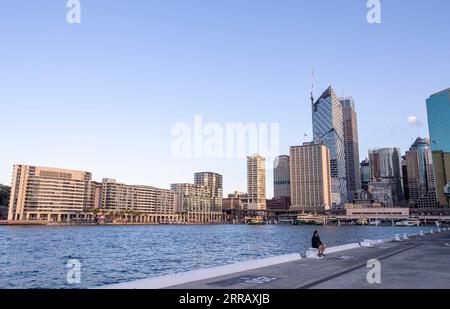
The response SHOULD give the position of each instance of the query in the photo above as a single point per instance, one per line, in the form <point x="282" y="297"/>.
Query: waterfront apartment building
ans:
<point x="256" y="182"/>
<point x="50" y="194"/>
<point x="145" y="204"/>
<point x="386" y="170"/>
<point x="420" y="175"/>
<point x="328" y="129"/>
<point x="195" y="203"/>
<point x="281" y="177"/>
<point x="351" y="141"/>
<point x="214" y="183"/>
<point x="438" y="110"/>
<point x="310" y="177"/>
<point x="441" y="162"/>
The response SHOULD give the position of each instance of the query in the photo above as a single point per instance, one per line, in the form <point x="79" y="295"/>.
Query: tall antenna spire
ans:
<point x="312" y="87"/>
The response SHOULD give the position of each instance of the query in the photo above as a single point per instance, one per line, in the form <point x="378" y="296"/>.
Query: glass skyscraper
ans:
<point x="420" y="178"/>
<point x="351" y="147"/>
<point x="438" y="108"/>
<point x="328" y="129"/>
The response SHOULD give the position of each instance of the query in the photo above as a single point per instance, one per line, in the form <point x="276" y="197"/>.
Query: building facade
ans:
<point x="386" y="169"/>
<point x="365" y="174"/>
<point x="441" y="162"/>
<point x="351" y="141"/>
<point x="281" y="177"/>
<point x="256" y="182"/>
<point x="421" y="180"/>
<point x="328" y="129"/>
<point x="50" y="194"/>
<point x="214" y="183"/>
<point x="310" y="177"/>
<point x="438" y="110"/>
<point x="195" y="204"/>
<point x="144" y="203"/>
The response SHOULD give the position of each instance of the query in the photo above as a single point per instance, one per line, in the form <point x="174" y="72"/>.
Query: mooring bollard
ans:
<point x="397" y="237"/>
<point x="421" y="233"/>
<point x="405" y="236"/>
<point x="432" y="231"/>
<point x="366" y="243"/>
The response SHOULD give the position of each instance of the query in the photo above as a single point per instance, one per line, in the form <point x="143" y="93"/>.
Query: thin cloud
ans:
<point x="414" y="121"/>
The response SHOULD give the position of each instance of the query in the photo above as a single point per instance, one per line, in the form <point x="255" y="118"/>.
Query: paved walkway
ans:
<point x="420" y="262"/>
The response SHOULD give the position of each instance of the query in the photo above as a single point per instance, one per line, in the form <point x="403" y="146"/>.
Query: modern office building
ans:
<point x="351" y="141"/>
<point x="441" y="162"/>
<point x="405" y="179"/>
<point x="256" y="182"/>
<point x="282" y="203"/>
<point x="281" y="177"/>
<point x="383" y="192"/>
<point x="214" y="183"/>
<point x="386" y="168"/>
<point x="365" y="174"/>
<point x="195" y="204"/>
<point x="310" y="177"/>
<point x="328" y="128"/>
<point x="438" y="109"/>
<point x="147" y="204"/>
<point x="50" y="194"/>
<point x="421" y="180"/>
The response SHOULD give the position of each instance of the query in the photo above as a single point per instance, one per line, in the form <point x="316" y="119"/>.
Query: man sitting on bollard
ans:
<point x="317" y="244"/>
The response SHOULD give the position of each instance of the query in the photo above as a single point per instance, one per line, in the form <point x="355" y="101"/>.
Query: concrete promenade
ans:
<point x="418" y="262"/>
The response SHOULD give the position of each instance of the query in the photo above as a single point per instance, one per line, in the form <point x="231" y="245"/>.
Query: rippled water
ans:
<point x="36" y="257"/>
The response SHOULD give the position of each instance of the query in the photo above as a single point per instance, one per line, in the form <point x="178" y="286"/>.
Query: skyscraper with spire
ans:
<point x="328" y="129"/>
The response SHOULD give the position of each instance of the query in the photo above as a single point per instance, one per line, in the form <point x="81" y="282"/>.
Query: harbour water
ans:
<point x="36" y="257"/>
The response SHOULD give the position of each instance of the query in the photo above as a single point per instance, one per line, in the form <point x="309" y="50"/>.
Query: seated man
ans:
<point x="317" y="243"/>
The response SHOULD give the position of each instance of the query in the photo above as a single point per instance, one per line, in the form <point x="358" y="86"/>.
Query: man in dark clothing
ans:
<point x="317" y="243"/>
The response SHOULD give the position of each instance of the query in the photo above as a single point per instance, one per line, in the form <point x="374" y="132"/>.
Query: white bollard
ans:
<point x="312" y="253"/>
<point x="397" y="237"/>
<point x="432" y="231"/>
<point x="421" y="233"/>
<point x="405" y="236"/>
<point x="439" y="230"/>
<point x="366" y="243"/>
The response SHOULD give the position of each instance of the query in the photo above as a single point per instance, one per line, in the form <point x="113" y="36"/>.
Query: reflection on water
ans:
<point x="36" y="257"/>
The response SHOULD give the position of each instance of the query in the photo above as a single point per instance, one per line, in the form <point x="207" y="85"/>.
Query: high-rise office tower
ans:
<point x="365" y="174"/>
<point x="328" y="128"/>
<point x="405" y="178"/>
<point x="441" y="162"/>
<point x="386" y="168"/>
<point x="214" y="183"/>
<point x="281" y="177"/>
<point x="256" y="182"/>
<point x="421" y="181"/>
<point x="438" y="109"/>
<point x="310" y="177"/>
<point x="351" y="147"/>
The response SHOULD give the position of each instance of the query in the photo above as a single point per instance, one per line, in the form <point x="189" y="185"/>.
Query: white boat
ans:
<point x="407" y="223"/>
<point x="375" y="222"/>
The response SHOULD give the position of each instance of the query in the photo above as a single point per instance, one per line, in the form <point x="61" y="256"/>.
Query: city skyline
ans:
<point x="100" y="105"/>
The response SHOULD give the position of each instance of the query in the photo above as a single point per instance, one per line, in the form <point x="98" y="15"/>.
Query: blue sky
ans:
<point x="103" y="95"/>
